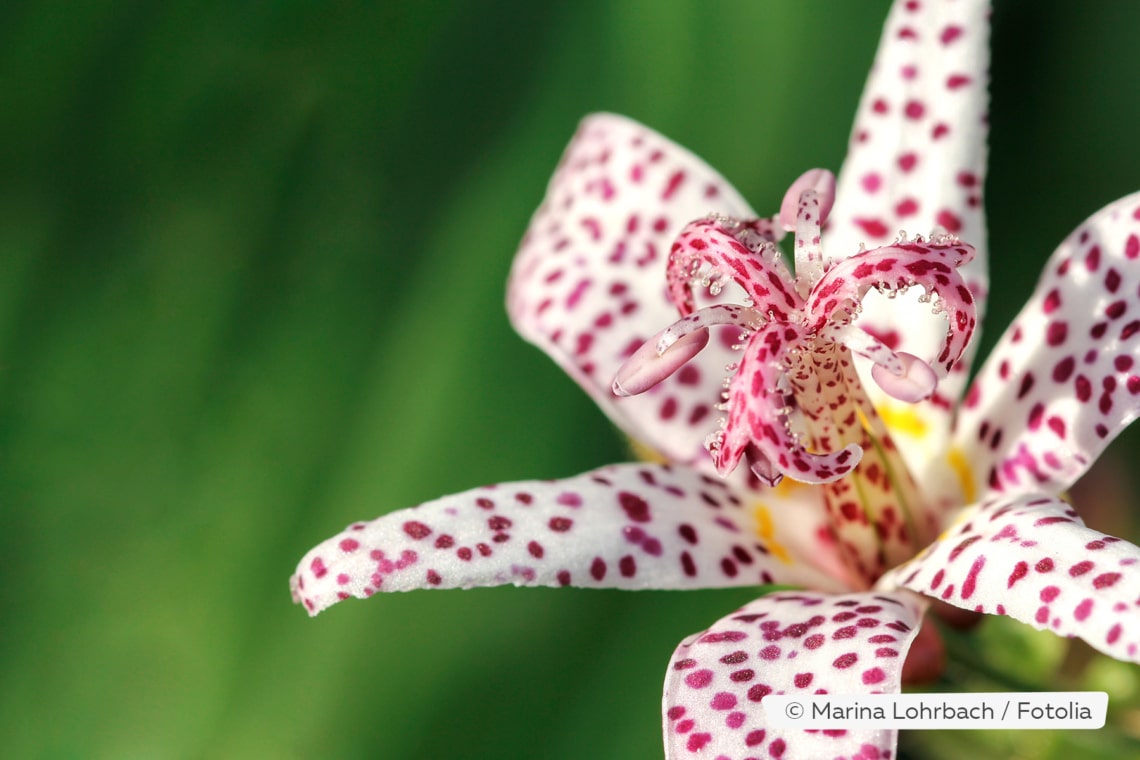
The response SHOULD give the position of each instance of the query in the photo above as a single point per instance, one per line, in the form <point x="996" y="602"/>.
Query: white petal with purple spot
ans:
<point x="786" y="643"/>
<point x="917" y="161"/>
<point x="633" y="526"/>
<point x="1064" y="380"/>
<point x="588" y="284"/>
<point x="1030" y="557"/>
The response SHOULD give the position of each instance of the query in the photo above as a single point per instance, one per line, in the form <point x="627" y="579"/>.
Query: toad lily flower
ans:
<point x="644" y="273"/>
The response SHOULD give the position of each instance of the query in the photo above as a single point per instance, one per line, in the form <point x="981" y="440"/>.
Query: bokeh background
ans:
<point x="252" y="259"/>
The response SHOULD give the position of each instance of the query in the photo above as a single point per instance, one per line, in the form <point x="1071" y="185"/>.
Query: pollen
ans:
<point x="767" y="531"/>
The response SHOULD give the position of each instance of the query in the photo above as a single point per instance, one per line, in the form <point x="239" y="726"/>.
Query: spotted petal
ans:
<point x="1065" y="377"/>
<point x="1030" y="557"/>
<point x="630" y="526"/>
<point x="588" y="288"/>
<point x="786" y="643"/>
<point x="917" y="161"/>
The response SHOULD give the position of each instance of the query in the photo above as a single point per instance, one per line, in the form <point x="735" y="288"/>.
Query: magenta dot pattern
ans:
<point x="787" y="335"/>
<point x="756" y="416"/>
<point x="587" y="286"/>
<point x="627" y="526"/>
<point x="764" y="279"/>
<point x="791" y="364"/>
<point x="1030" y="557"/>
<point x="931" y="265"/>
<point x="1064" y="379"/>
<point x="786" y="643"/>
<point x="916" y="162"/>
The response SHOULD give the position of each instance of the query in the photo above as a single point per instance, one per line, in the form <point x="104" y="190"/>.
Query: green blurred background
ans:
<point x="252" y="259"/>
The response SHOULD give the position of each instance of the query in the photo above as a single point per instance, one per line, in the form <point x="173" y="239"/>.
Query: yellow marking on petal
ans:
<point x="646" y="453"/>
<point x="767" y="531"/>
<point x="961" y="468"/>
<point x="902" y="419"/>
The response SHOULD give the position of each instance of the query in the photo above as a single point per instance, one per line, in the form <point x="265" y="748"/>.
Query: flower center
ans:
<point x="794" y="403"/>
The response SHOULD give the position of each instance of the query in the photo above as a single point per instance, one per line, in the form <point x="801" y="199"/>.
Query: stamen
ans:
<point x="862" y="343"/>
<point x="717" y="314"/>
<point x="901" y="375"/>
<point x="665" y="353"/>
<point x="915" y="383"/>
<point x="646" y="368"/>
